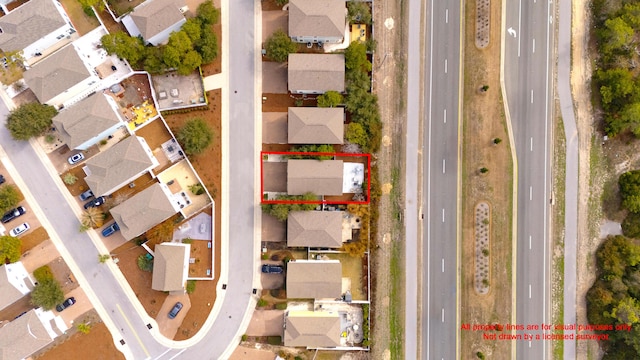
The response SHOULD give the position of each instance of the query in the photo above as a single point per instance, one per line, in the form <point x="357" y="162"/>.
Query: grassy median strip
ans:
<point x="557" y="250"/>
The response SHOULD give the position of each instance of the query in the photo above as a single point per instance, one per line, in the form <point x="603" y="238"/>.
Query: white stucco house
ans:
<point x="155" y="20"/>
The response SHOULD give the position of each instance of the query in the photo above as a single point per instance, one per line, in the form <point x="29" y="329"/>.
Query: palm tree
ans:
<point x="92" y="217"/>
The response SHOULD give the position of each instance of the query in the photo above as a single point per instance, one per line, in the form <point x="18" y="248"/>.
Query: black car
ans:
<point x="13" y="213"/>
<point x="95" y="202"/>
<point x="65" y="304"/>
<point x="86" y="195"/>
<point x="2" y="180"/>
<point x="176" y="309"/>
<point x="272" y="269"/>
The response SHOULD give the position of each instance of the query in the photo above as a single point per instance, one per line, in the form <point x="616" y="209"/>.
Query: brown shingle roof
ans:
<point x="316" y="72"/>
<point x="319" y="177"/>
<point x="312" y="329"/>
<point x="169" y="266"/>
<point x="155" y="16"/>
<point x="56" y="73"/>
<point x="22" y="337"/>
<point x="119" y="164"/>
<point x="324" y="18"/>
<point x="29" y="23"/>
<point x="144" y="210"/>
<point x="314" y="229"/>
<point x="85" y="120"/>
<point x="314" y="125"/>
<point x="314" y="279"/>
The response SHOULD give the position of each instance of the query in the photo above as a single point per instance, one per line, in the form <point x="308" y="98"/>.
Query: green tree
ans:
<point x="627" y="311"/>
<point x="615" y="255"/>
<point x="30" y="120"/>
<point x="207" y="46"/>
<point x="313" y="148"/>
<point x="631" y="225"/>
<point x="10" y="249"/>
<point x="355" y="57"/>
<point x="616" y="36"/>
<point x="47" y="294"/>
<point x="43" y="273"/>
<point x="207" y="13"/>
<point x="153" y="62"/>
<point x="279" y="45"/>
<point x="359" y="12"/>
<point x="190" y="61"/>
<point x="356" y="134"/>
<point x="193" y="29"/>
<point x="281" y="211"/>
<point x="124" y="46"/>
<point x="195" y="136"/>
<point x="9" y="197"/>
<point x="145" y="263"/>
<point x="617" y="87"/>
<point x="629" y="184"/>
<point x="330" y="99"/>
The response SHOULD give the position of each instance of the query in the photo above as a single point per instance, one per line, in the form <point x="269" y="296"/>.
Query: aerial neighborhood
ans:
<point x="120" y="104"/>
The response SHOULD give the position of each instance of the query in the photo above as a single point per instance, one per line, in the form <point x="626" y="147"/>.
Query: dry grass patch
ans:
<point x="484" y="121"/>
<point x="33" y="239"/>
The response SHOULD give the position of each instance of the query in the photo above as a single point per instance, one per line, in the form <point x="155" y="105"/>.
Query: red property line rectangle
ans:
<point x="329" y="202"/>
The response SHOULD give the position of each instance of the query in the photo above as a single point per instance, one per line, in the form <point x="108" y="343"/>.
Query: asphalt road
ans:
<point x="528" y="84"/>
<point x="220" y="339"/>
<point x="440" y="187"/>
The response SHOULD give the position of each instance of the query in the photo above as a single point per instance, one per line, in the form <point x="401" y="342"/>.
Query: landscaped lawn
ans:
<point x="82" y="22"/>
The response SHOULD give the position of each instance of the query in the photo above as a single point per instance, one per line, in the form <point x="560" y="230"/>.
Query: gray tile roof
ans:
<point x="314" y="279"/>
<point x="85" y="120"/>
<point x="312" y="329"/>
<point x="314" y="125"/>
<point x="22" y="337"/>
<point x="326" y="18"/>
<point x="143" y="211"/>
<point x="314" y="229"/>
<point x="29" y="23"/>
<point x="56" y="73"/>
<point x="169" y="266"/>
<point x="154" y="16"/>
<point x="319" y="177"/>
<point x="119" y="164"/>
<point x="316" y="72"/>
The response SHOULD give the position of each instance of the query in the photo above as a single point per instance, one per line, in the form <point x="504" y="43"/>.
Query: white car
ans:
<point x="75" y="158"/>
<point x="20" y="229"/>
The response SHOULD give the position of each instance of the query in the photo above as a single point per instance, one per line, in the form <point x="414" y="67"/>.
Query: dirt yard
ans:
<point x="484" y="121"/>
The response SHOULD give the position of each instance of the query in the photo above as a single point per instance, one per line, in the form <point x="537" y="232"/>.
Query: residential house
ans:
<point x="314" y="229"/>
<point x="119" y="165"/>
<point x="312" y="21"/>
<point x="87" y="122"/>
<point x="34" y="27"/>
<point x="155" y="20"/>
<point x="144" y="210"/>
<point x="319" y="177"/>
<point x="315" y="73"/>
<point x="23" y="336"/>
<point x="60" y="77"/>
<point x="170" y="266"/>
<point x="314" y="279"/>
<point x="312" y="329"/>
<point x="315" y="125"/>
<point x="14" y="283"/>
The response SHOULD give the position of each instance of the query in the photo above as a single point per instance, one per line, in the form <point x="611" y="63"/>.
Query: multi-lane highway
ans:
<point x="528" y="84"/>
<point x="440" y="181"/>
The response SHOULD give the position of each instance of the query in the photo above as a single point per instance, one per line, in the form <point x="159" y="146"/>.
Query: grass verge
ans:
<point x="557" y="250"/>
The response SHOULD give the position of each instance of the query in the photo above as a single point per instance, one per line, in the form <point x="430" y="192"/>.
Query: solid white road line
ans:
<point x="534" y="45"/>
<point x="446" y="16"/>
<point x="446" y="62"/>
<point x="531" y="144"/>
<point x="530" y="192"/>
<point x="532" y="96"/>
<point x="529" y="242"/>
<point x="444" y="167"/>
<point x="529" y="291"/>
<point x="445" y="116"/>
<point x="442" y="264"/>
<point x="519" y="25"/>
<point x="442" y="314"/>
<point x="442" y="215"/>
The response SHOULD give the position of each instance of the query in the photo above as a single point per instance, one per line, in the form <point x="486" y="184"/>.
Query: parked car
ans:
<point x="2" y="180"/>
<point x="176" y="309"/>
<point x="272" y="269"/>
<point x="86" y="195"/>
<point x="20" y="229"/>
<point x="65" y="304"/>
<point x="75" y="158"/>
<point x="95" y="202"/>
<point x="13" y="213"/>
<point x="110" y="230"/>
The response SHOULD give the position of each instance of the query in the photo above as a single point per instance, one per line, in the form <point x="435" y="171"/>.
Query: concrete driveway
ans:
<point x="169" y="327"/>
<point x="266" y="323"/>
<point x="274" y="78"/>
<point x="244" y="353"/>
<point x="82" y="305"/>
<point x="272" y="281"/>
<point x="41" y="255"/>
<point x="274" y="20"/>
<point x="273" y="229"/>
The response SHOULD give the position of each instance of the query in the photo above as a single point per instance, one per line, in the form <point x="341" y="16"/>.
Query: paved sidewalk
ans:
<point x="217" y="81"/>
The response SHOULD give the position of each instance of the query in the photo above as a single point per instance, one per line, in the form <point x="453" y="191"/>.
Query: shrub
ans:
<point x="279" y="45"/>
<point x="281" y="306"/>
<point x="103" y="258"/>
<point x="262" y="303"/>
<point x="10" y="249"/>
<point x="9" y="197"/>
<point x="195" y="136"/>
<point x="84" y="328"/>
<point x="49" y="139"/>
<point x="274" y="340"/>
<point x="145" y="263"/>
<point x="330" y="99"/>
<point x="47" y="294"/>
<point x="69" y="179"/>
<point x="43" y="273"/>
<point x="245" y="337"/>
<point x="196" y="189"/>
<point x="191" y="286"/>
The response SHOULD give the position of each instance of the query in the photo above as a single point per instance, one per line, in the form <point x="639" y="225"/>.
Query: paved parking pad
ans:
<point x="169" y="327"/>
